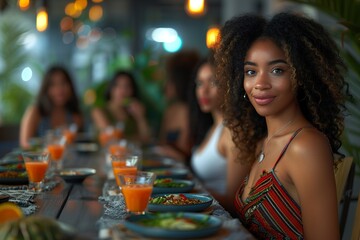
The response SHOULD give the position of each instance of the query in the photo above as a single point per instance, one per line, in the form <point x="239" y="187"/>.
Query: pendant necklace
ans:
<point x="262" y="153"/>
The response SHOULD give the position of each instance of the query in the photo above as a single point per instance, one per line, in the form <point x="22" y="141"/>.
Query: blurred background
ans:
<point x="94" y="38"/>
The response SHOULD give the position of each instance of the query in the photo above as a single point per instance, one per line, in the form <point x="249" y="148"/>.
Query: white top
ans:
<point x="209" y="165"/>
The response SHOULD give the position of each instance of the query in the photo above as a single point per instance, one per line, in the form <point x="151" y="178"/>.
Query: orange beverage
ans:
<point x="115" y="149"/>
<point x="70" y="136"/>
<point x="126" y="170"/>
<point x="104" y="138"/>
<point x="56" y="151"/>
<point x="118" y="133"/>
<point x="36" y="170"/>
<point x="137" y="197"/>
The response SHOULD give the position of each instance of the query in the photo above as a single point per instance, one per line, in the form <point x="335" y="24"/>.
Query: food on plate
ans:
<point x="169" y="183"/>
<point x="13" y="174"/>
<point x="174" y="199"/>
<point x="175" y="221"/>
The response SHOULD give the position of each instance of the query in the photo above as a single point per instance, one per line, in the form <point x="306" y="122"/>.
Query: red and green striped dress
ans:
<point x="269" y="212"/>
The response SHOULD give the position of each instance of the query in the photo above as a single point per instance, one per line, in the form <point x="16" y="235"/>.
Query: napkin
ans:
<point x="23" y="198"/>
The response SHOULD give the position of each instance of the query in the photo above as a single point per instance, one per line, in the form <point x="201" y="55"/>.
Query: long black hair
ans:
<point x="113" y="81"/>
<point x="43" y="101"/>
<point x="200" y="122"/>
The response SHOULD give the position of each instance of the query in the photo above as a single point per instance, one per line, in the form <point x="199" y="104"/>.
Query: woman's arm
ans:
<point x="236" y="170"/>
<point x="311" y="170"/>
<point x="99" y="118"/>
<point x="137" y="110"/>
<point x="28" y="126"/>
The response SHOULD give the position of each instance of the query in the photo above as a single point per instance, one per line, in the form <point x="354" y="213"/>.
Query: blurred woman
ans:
<point x="285" y="107"/>
<point x="174" y="132"/>
<point x="56" y="106"/>
<point x="214" y="158"/>
<point x="123" y="106"/>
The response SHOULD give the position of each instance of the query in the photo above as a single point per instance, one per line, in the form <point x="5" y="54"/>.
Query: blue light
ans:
<point x="26" y="74"/>
<point x="173" y="46"/>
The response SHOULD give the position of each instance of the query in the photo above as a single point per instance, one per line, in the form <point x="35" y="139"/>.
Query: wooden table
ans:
<point x="77" y="204"/>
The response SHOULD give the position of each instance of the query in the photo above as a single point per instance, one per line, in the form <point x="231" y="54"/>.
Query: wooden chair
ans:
<point x="341" y="176"/>
<point x="356" y="225"/>
<point x="344" y="178"/>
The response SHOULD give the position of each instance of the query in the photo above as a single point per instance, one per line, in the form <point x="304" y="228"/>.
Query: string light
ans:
<point x="24" y="4"/>
<point x="42" y="20"/>
<point x="195" y="7"/>
<point x="212" y="36"/>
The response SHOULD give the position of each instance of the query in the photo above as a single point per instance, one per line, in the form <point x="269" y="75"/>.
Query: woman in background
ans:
<point x="56" y="106"/>
<point x="123" y="106"/>
<point x="214" y="158"/>
<point x="285" y="107"/>
<point x="174" y="131"/>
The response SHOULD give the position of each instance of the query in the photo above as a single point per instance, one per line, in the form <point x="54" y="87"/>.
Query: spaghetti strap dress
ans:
<point x="269" y="212"/>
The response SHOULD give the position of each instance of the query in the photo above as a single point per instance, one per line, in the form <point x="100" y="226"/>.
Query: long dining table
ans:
<point x="78" y="205"/>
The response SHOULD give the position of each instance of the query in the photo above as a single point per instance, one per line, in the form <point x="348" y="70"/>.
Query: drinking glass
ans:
<point x="36" y="164"/>
<point x="137" y="190"/>
<point x="124" y="164"/>
<point x="70" y="133"/>
<point x="55" y="143"/>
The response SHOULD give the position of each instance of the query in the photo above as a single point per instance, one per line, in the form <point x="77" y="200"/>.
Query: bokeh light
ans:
<point x="95" y="13"/>
<point x="173" y="46"/>
<point x="24" y="4"/>
<point x="41" y="20"/>
<point x="26" y="74"/>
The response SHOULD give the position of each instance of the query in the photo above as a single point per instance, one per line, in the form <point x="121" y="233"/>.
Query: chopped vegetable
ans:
<point x="175" y="199"/>
<point x="168" y="182"/>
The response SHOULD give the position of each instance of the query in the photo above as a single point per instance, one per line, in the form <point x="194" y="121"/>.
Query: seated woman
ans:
<point x="123" y="106"/>
<point x="285" y="90"/>
<point x="56" y="106"/>
<point x="214" y="159"/>
<point x="174" y="131"/>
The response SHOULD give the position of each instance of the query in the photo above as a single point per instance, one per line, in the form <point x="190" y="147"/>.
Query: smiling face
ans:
<point x="206" y="89"/>
<point x="267" y="79"/>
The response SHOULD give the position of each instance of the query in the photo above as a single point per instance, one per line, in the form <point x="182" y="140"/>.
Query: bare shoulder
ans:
<point x="310" y="150"/>
<point x="176" y="111"/>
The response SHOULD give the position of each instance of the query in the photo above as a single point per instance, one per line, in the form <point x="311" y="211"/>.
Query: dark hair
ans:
<point x="316" y="73"/>
<point x="179" y="69"/>
<point x="200" y="122"/>
<point x="113" y="81"/>
<point x="43" y="102"/>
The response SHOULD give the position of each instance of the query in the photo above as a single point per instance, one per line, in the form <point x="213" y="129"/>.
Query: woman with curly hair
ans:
<point x="284" y="103"/>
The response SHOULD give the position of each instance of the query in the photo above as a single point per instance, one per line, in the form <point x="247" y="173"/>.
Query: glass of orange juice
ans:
<point x="55" y="144"/>
<point x="36" y="164"/>
<point x="123" y="164"/>
<point x="137" y="190"/>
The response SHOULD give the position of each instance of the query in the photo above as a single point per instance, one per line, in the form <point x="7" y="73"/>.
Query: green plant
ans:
<point x="346" y="12"/>
<point x="12" y="58"/>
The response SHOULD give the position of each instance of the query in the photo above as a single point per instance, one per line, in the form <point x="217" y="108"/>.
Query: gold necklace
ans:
<point x="262" y="153"/>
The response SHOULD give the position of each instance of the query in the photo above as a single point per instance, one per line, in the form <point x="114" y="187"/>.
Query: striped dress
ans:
<point x="269" y="212"/>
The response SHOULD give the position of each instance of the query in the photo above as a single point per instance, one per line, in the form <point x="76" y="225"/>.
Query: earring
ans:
<point x="244" y="95"/>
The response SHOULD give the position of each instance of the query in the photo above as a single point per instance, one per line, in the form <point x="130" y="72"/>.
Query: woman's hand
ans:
<point x="136" y="109"/>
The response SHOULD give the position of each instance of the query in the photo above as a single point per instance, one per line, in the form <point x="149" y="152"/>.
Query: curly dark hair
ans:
<point x="43" y="101"/>
<point x="317" y="75"/>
